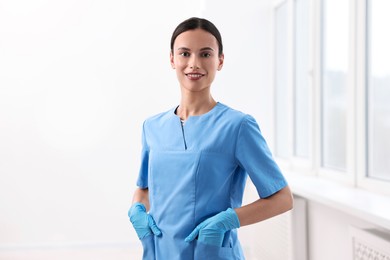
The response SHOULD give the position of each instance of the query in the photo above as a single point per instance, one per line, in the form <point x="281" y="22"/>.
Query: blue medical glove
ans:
<point x="143" y="223"/>
<point x="212" y="230"/>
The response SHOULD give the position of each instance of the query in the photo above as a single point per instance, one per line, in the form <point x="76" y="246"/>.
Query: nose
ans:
<point x="193" y="63"/>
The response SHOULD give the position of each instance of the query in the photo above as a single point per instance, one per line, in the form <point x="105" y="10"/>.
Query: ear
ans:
<point x="221" y="59"/>
<point x="172" y="60"/>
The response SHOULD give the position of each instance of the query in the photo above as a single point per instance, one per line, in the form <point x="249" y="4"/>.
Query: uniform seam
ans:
<point x="194" y="197"/>
<point x="195" y="182"/>
<point x="243" y="120"/>
<point x="144" y="134"/>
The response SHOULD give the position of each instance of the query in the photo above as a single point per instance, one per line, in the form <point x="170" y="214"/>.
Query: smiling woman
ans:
<point x="195" y="161"/>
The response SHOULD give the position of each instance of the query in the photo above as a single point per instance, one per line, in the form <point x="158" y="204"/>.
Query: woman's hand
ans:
<point x="143" y="223"/>
<point x="212" y="230"/>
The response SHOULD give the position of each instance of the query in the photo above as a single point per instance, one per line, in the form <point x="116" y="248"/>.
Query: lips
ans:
<point x="194" y="76"/>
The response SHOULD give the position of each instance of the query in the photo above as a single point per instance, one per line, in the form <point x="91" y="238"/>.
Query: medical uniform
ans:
<point x="196" y="170"/>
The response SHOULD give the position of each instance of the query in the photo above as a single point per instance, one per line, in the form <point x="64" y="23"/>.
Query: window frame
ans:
<point x="284" y="162"/>
<point x="356" y="174"/>
<point x="300" y="163"/>
<point x="362" y="86"/>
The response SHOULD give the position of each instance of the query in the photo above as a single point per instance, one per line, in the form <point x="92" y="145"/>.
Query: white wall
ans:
<point x="77" y="78"/>
<point x="246" y="79"/>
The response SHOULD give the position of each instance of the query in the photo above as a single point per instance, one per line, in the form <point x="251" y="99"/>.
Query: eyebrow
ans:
<point x="188" y="49"/>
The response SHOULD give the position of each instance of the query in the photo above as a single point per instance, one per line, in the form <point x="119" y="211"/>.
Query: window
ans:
<point x="281" y="81"/>
<point x="335" y="114"/>
<point x="335" y="42"/>
<point x="378" y="89"/>
<point x="302" y="108"/>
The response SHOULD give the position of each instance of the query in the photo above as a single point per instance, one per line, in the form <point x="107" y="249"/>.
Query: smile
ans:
<point x="194" y="75"/>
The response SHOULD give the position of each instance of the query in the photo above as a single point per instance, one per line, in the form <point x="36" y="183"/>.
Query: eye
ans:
<point x="185" y="54"/>
<point x="206" y="54"/>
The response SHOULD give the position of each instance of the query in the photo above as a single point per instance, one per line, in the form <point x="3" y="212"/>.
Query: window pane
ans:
<point x="334" y="83"/>
<point x="379" y="89"/>
<point x="281" y="87"/>
<point x="302" y="80"/>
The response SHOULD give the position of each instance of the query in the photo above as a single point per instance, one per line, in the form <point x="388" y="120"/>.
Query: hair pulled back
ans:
<point x="198" y="23"/>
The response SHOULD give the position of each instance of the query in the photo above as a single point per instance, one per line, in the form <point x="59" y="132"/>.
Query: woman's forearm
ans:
<point x="266" y="208"/>
<point x="142" y="196"/>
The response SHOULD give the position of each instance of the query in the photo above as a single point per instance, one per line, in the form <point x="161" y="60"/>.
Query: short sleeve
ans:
<point x="254" y="156"/>
<point x="142" y="180"/>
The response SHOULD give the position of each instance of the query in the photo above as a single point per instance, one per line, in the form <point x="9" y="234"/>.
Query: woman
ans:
<point x="195" y="161"/>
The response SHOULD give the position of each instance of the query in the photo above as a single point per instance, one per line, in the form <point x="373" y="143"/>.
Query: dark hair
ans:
<point x="197" y="23"/>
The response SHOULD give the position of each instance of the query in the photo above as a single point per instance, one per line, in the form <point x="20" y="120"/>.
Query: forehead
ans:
<point x="194" y="39"/>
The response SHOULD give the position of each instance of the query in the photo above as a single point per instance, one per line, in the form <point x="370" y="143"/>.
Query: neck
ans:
<point x="195" y="104"/>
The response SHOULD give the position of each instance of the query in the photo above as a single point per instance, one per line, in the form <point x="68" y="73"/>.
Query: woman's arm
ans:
<point x="266" y="208"/>
<point x="142" y="196"/>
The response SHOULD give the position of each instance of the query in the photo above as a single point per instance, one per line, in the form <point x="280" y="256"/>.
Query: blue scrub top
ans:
<point x="196" y="170"/>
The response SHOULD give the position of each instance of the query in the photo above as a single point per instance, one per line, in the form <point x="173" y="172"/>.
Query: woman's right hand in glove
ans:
<point x="143" y="223"/>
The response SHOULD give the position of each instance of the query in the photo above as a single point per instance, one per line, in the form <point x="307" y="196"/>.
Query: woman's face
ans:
<point x="196" y="60"/>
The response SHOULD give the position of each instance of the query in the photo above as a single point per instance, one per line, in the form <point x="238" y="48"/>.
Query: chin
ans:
<point x="193" y="88"/>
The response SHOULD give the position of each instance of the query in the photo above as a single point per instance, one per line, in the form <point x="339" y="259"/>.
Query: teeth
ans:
<point x="195" y="75"/>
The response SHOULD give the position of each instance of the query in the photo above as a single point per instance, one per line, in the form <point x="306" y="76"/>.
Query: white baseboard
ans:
<point x="72" y="251"/>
